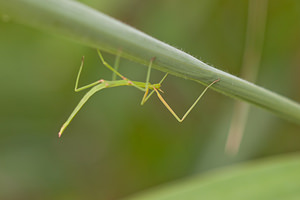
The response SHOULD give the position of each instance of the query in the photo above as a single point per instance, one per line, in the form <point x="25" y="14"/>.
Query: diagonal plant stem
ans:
<point x="95" y="29"/>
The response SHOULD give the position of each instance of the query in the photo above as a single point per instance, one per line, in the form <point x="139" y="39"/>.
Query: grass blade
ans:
<point x="95" y="29"/>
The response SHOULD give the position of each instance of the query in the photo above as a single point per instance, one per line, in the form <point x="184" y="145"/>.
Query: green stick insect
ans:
<point x="143" y="86"/>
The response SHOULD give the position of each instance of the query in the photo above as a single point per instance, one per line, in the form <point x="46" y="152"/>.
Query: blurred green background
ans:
<point x="114" y="147"/>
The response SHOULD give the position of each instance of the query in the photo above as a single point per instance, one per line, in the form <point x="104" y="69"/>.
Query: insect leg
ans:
<point x="118" y="73"/>
<point x="147" y="81"/>
<point x="116" y="65"/>
<point x="77" y="80"/>
<point x="146" y="99"/>
<point x="189" y="110"/>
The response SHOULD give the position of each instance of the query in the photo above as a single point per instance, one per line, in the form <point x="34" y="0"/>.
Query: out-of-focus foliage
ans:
<point x="267" y="179"/>
<point x="115" y="147"/>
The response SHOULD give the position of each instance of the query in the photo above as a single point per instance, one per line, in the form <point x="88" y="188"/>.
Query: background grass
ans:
<point x="115" y="147"/>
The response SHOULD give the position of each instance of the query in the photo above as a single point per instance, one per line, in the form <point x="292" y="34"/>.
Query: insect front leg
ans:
<point x="190" y="109"/>
<point x="144" y="99"/>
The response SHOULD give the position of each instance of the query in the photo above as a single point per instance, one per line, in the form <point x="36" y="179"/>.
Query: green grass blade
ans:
<point x="275" y="178"/>
<point x="95" y="29"/>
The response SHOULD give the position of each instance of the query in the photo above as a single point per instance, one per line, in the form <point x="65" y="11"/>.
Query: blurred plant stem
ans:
<point x="255" y="32"/>
<point x="95" y="29"/>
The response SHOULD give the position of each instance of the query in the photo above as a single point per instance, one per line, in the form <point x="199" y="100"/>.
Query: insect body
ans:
<point x="143" y="86"/>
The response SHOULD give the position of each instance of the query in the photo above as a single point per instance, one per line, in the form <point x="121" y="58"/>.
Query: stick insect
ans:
<point x="143" y="86"/>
